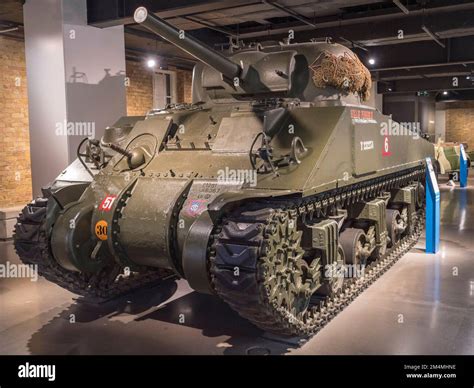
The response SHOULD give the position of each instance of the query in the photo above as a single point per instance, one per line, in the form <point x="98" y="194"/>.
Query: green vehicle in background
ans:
<point x="470" y="156"/>
<point x="448" y="157"/>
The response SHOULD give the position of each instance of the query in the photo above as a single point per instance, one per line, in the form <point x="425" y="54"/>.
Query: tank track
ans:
<point x="33" y="248"/>
<point x="239" y="239"/>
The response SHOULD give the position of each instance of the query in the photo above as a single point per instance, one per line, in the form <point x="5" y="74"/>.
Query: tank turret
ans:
<point x="308" y="71"/>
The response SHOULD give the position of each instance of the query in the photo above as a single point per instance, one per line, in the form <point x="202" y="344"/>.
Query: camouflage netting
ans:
<point x="344" y="72"/>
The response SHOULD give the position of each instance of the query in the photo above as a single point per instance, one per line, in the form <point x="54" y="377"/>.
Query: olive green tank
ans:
<point x="277" y="190"/>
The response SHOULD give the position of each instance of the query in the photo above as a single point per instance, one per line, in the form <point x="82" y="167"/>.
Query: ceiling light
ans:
<point x="371" y="61"/>
<point x="151" y="63"/>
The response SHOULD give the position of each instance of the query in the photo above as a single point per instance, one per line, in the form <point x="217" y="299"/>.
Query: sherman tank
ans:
<point x="276" y="190"/>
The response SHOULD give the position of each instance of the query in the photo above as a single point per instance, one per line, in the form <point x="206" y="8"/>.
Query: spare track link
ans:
<point x="32" y="246"/>
<point x="237" y="243"/>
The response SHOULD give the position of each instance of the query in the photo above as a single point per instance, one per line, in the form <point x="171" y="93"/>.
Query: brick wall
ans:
<point x="460" y="122"/>
<point x="184" y="82"/>
<point x="140" y="88"/>
<point x="15" y="168"/>
<point x="15" y="171"/>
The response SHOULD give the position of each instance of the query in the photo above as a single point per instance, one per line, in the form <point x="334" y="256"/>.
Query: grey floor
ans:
<point x="423" y="305"/>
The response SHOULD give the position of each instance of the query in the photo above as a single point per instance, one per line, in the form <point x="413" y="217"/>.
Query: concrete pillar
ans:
<point x="76" y="82"/>
<point x="440" y="122"/>
<point x="426" y="115"/>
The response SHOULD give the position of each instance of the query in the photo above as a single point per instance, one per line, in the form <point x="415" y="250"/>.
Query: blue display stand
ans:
<point x="432" y="209"/>
<point x="463" y="167"/>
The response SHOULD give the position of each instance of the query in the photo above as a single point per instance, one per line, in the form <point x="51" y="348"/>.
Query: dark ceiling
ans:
<point x="437" y="42"/>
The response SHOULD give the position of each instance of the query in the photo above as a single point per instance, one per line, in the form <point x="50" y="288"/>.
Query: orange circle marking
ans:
<point x="101" y="230"/>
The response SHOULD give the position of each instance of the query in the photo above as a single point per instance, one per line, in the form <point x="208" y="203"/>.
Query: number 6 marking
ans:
<point x="386" y="147"/>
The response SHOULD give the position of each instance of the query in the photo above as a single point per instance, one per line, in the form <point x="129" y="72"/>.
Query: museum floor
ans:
<point x="418" y="307"/>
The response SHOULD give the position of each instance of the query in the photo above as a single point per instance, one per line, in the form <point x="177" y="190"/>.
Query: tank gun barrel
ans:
<point x="187" y="43"/>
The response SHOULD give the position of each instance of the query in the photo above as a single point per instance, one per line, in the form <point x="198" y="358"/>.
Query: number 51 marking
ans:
<point x="107" y="203"/>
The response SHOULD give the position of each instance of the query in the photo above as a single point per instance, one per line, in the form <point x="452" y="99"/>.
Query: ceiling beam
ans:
<point x="404" y="9"/>
<point x="290" y="12"/>
<point x="11" y="29"/>
<point x="445" y="71"/>
<point x="416" y="55"/>
<point x="467" y="94"/>
<point x="374" y="28"/>
<point x="433" y="36"/>
<point x="210" y="26"/>
<point x="142" y="34"/>
<point x="424" y="84"/>
<point x="409" y="67"/>
<point x="107" y="13"/>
